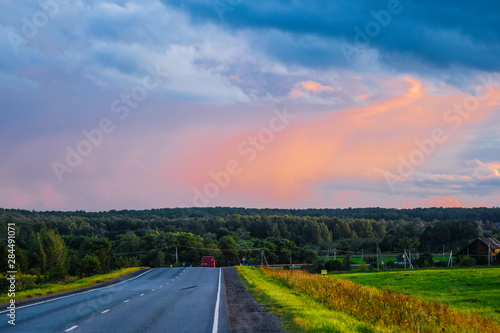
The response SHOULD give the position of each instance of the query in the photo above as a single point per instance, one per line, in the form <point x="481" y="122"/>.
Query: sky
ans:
<point x="280" y="104"/>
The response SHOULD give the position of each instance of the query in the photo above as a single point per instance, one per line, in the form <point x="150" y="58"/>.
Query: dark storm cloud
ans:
<point x="437" y="33"/>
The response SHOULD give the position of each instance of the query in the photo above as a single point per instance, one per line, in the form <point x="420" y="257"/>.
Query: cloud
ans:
<point x="412" y="31"/>
<point x="445" y="202"/>
<point x="353" y="145"/>
<point x="479" y="178"/>
<point x="309" y="93"/>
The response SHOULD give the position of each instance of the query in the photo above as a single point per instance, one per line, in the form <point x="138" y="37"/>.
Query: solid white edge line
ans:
<point x="71" y="328"/>
<point x="105" y="311"/>
<point x="126" y="301"/>
<point x="216" y="314"/>
<point x="81" y="293"/>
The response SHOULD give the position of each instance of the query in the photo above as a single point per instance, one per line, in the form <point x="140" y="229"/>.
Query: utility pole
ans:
<point x="362" y="255"/>
<point x="334" y="254"/>
<point x="262" y="258"/>
<point x="290" y="259"/>
<point x="489" y="254"/>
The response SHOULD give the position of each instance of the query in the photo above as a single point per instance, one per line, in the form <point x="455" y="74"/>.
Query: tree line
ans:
<point x="56" y="244"/>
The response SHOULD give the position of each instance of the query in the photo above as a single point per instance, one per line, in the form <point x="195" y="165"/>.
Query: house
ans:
<point x="480" y="248"/>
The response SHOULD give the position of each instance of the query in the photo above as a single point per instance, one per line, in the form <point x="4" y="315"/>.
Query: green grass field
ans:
<point x="357" y="260"/>
<point x="465" y="289"/>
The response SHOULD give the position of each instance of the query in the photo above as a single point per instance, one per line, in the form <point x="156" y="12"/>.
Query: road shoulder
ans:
<point x="245" y="315"/>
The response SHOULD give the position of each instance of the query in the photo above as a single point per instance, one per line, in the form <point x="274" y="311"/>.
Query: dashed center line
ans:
<point x="126" y="301"/>
<point x="105" y="311"/>
<point x="152" y="290"/>
<point x="71" y="328"/>
<point x="142" y="294"/>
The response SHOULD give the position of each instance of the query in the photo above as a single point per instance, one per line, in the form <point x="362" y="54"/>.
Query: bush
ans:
<point x="333" y="265"/>
<point x="363" y="267"/>
<point x="425" y="260"/>
<point x="390" y="264"/>
<point x="467" y="262"/>
<point x="346" y="263"/>
<point x="89" y="265"/>
<point x="441" y="263"/>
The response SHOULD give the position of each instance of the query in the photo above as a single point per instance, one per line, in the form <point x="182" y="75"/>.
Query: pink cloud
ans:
<point x="307" y="87"/>
<point x="355" y="144"/>
<point x="314" y="86"/>
<point x="445" y="202"/>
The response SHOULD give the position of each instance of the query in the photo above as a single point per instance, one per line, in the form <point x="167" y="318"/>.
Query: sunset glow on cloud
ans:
<point x="128" y="105"/>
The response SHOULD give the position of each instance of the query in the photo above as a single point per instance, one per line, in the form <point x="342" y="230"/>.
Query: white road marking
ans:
<point x="152" y="290"/>
<point x="105" y="311"/>
<point x="161" y="286"/>
<point x="126" y="301"/>
<point x="77" y="294"/>
<point x="216" y="314"/>
<point x="142" y="294"/>
<point x="71" y="328"/>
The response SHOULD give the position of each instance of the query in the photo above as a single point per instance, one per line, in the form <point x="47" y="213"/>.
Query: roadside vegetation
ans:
<point x="472" y="290"/>
<point x="27" y="286"/>
<point x="300" y="312"/>
<point x="377" y="309"/>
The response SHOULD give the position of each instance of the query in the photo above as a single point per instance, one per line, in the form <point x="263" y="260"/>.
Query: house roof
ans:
<point x="491" y="242"/>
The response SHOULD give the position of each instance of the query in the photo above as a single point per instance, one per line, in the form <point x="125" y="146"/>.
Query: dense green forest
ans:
<point x="57" y="244"/>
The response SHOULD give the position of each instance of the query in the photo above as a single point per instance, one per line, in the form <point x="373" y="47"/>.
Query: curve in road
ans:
<point x="160" y="300"/>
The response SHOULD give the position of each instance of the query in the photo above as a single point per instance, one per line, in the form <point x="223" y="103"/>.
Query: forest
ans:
<point x="54" y="245"/>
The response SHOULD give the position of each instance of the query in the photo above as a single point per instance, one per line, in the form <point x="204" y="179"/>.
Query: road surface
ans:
<point x="159" y="300"/>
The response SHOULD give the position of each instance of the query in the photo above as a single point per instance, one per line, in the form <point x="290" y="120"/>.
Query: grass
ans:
<point x="472" y="290"/>
<point x="299" y="312"/>
<point x="358" y="260"/>
<point x="54" y="288"/>
<point x="316" y="298"/>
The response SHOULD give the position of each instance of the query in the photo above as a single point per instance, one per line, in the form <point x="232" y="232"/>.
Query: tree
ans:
<point x="408" y="243"/>
<point x="160" y="259"/>
<point x="346" y="264"/>
<point x="100" y="248"/>
<point x="36" y="255"/>
<point x="90" y="265"/>
<point x="3" y="258"/>
<point x="56" y="253"/>
<point x="333" y="265"/>
<point x="227" y="245"/>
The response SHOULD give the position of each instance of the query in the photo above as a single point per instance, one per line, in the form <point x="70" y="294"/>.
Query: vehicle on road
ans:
<point x="208" y="261"/>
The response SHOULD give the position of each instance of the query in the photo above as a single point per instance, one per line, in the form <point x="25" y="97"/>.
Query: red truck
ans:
<point x="208" y="261"/>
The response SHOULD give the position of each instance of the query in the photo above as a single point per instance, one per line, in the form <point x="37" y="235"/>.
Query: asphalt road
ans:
<point x="160" y="300"/>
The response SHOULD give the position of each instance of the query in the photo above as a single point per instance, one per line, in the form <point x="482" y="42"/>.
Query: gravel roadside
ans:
<point x="245" y="315"/>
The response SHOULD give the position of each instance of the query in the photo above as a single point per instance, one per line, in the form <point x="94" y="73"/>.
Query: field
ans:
<point x="314" y="303"/>
<point x="465" y="289"/>
<point x="358" y="260"/>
